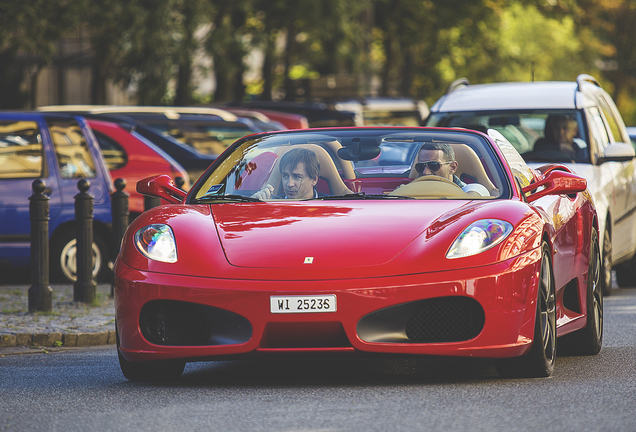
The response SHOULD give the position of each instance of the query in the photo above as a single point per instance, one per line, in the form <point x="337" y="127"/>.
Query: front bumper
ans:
<point x="372" y="314"/>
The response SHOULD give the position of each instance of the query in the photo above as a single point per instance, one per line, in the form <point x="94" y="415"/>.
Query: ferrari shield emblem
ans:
<point x="309" y="260"/>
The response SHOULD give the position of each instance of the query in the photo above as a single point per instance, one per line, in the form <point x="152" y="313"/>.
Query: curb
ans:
<point x="57" y="339"/>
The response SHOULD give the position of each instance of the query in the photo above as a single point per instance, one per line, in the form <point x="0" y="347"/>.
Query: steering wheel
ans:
<point x="430" y="186"/>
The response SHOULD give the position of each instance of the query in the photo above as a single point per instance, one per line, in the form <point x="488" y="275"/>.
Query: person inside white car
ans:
<point x="558" y="142"/>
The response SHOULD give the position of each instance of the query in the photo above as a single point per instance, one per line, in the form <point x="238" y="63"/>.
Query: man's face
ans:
<point x="445" y="170"/>
<point x="296" y="183"/>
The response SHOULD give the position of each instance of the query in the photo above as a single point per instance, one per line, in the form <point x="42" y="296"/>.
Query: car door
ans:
<point x="25" y="155"/>
<point x="559" y="208"/>
<point x="625" y="188"/>
<point x="76" y="160"/>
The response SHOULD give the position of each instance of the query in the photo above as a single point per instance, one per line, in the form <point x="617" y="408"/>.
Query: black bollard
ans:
<point x="120" y="212"/>
<point x="150" y="202"/>
<point x="85" y="287"/>
<point x="179" y="181"/>
<point x="40" y="293"/>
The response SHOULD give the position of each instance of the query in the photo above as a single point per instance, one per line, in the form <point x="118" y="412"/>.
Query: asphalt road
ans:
<point x="84" y="390"/>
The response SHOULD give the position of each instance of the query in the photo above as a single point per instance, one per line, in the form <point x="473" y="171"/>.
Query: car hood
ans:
<point x="322" y="235"/>
<point x="323" y="239"/>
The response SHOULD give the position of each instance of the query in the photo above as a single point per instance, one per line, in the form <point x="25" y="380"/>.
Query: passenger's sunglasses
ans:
<point x="432" y="165"/>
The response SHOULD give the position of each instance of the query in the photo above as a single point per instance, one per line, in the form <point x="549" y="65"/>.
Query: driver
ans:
<point x="439" y="159"/>
<point x="558" y="142"/>
<point x="299" y="169"/>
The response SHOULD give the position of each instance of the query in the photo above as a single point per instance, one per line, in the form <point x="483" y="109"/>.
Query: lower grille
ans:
<point x="177" y="323"/>
<point x="436" y="320"/>
<point x="446" y="319"/>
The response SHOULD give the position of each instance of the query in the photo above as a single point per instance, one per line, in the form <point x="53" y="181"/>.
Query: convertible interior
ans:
<point x="372" y="175"/>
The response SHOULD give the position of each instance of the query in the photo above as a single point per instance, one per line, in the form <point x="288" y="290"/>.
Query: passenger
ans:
<point x="299" y="169"/>
<point x="439" y="159"/>
<point x="558" y="141"/>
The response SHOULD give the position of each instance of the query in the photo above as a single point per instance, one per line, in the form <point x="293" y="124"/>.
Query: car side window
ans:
<point x="73" y="156"/>
<point x="21" y="152"/>
<point x="597" y="129"/>
<point x="612" y="121"/>
<point x="114" y="154"/>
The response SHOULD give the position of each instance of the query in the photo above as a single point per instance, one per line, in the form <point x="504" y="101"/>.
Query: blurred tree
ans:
<point x="193" y="14"/>
<point x="30" y="30"/>
<point x="413" y="47"/>
<point x="147" y="50"/>
<point x="307" y="38"/>
<point x="227" y="45"/>
<point x="516" y="43"/>
<point x="613" y="22"/>
<point x="107" y="22"/>
<point x="412" y="33"/>
<point x="11" y="78"/>
<point x="274" y="19"/>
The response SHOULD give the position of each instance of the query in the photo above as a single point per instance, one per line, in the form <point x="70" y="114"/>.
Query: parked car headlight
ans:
<point x="157" y="243"/>
<point x="478" y="237"/>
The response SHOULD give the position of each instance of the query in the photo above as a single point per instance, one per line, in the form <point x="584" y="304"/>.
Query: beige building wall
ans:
<point x="73" y="87"/>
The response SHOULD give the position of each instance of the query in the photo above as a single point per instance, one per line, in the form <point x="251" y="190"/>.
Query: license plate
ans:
<point x="302" y="304"/>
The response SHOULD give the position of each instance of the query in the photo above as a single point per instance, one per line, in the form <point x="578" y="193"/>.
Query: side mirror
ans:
<point x="161" y="186"/>
<point x="618" y="152"/>
<point x="557" y="182"/>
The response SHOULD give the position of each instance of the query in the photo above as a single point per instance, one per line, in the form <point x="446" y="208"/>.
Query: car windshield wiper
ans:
<point x="361" y="195"/>
<point x="231" y="197"/>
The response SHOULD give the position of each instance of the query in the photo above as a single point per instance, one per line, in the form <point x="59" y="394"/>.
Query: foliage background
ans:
<point x="412" y="48"/>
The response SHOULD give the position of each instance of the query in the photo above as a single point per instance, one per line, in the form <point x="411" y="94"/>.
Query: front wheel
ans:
<point x="540" y="360"/>
<point x="626" y="274"/>
<point x="148" y="371"/>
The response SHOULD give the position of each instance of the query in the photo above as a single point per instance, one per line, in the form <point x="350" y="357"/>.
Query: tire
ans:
<point x="606" y="269"/>
<point x="149" y="371"/>
<point x="540" y="360"/>
<point x="626" y="274"/>
<point x="63" y="263"/>
<point x="589" y="340"/>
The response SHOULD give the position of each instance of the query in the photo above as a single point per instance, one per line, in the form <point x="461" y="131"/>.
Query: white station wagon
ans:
<point x="573" y="123"/>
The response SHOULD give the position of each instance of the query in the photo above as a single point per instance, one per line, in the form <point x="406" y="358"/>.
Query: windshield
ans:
<point x="364" y="163"/>
<point x="539" y="135"/>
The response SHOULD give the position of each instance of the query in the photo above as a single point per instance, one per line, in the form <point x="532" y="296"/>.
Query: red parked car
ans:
<point x="132" y="157"/>
<point x="362" y="241"/>
<point x="288" y="120"/>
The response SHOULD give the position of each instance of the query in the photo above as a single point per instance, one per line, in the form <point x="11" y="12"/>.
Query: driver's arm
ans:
<point x="265" y="193"/>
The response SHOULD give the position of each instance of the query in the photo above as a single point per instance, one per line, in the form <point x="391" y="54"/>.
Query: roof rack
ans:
<point x="461" y="82"/>
<point x="583" y="78"/>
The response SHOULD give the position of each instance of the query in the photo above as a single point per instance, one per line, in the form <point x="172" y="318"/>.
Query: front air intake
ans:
<point x="177" y="323"/>
<point x="445" y="319"/>
<point x="436" y="320"/>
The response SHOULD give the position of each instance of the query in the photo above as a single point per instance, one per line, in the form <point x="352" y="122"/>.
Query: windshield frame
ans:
<point x="218" y="172"/>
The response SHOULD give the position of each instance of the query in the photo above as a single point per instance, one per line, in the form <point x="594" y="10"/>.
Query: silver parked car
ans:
<point x="573" y="123"/>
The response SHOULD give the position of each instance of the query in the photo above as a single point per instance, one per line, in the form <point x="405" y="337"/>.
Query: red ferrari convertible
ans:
<point x="362" y="241"/>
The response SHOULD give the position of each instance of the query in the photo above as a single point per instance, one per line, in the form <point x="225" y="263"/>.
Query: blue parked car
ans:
<point x="60" y="150"/>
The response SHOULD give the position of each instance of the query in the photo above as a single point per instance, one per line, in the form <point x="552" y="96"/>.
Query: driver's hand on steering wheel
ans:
<point x="265" y="193"/>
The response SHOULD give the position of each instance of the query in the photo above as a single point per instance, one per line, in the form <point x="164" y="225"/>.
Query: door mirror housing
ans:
<point x="618" y="152"/>
<point x="556" y="182"/>
<point x="161" y="186"/>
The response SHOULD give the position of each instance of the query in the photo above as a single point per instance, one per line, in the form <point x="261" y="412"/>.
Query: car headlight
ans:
<point x="478" y="237"/>
<point x="157" y="243"/>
